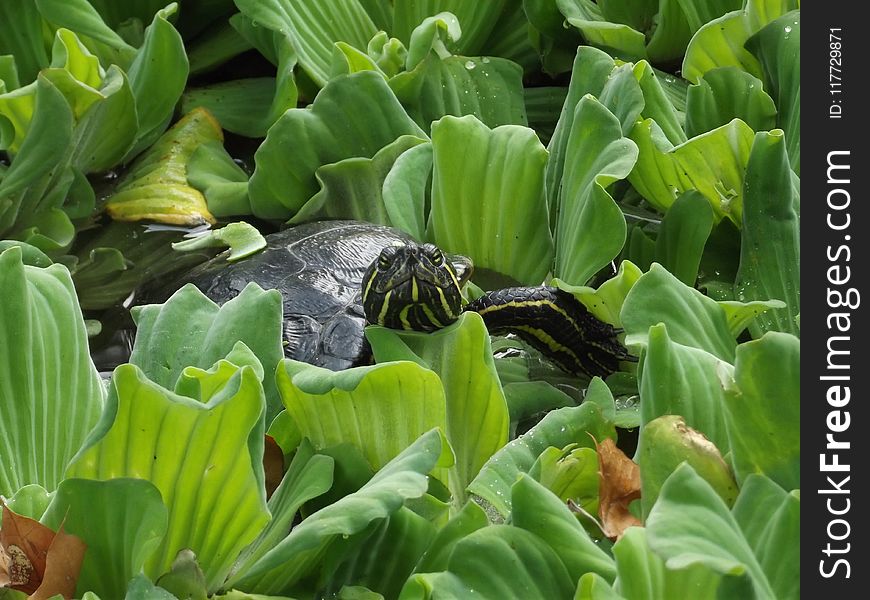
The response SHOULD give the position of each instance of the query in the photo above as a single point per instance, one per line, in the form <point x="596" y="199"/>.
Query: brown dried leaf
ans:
<point x="25" y="543"/>
<point x="619" y="485"/>
<point x="273" y="465"/>
<point x="62" y="566"/>
<point x="36" y="560"/>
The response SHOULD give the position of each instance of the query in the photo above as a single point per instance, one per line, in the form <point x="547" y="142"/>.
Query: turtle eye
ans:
<point x="385" y="258"/>
<point x="435" y="254"/>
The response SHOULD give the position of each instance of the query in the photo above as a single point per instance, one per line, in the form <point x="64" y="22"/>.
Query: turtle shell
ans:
<point x="318" y="268"/>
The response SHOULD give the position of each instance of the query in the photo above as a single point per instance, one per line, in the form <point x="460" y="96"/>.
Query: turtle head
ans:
<point x="414" y="286"/>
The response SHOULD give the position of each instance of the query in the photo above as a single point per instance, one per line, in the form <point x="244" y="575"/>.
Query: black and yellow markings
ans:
<point x="385" y="307"/>
<point x="413" y="289"/>
<point x="546" y="305"/>
<point x="557" y="324"/>
<point x="413" y="305"/>
<point x="428" y="310"/>
<point x="367" y="285"/>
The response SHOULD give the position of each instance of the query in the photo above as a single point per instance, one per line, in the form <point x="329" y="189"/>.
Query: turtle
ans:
<point x="338" y="276"/>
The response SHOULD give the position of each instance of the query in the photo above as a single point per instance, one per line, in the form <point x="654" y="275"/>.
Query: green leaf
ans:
<point x="240" y="106"/>
<point x="29" y="501"/>
<point x="639" y="15"/>
<point x="470" y="518"/>
<point x="620" y="39"/>
<point x="660" y="105"/>
<point x="555" y="45"/>
<point x="122" y="521"/>
<point x="478" y="19"/>
<point x="720" y="261"/>
<point x="590" y="73"/>
<point x="224" y="184"/>
<point x="511" y="38"/>
<point x="354" y="116"/>
<point x="384" y="560"/>
<point x="299" y="554"/>
<point x="379" y="409"/>
<point x="528" y="399"/>
<point x="242" y="238"/>
<point x="356" y="592"/>
<point x="763" y="413"/>
<point x="691" y="525"/>
<point x="681" y="380"/>
<point x="712" y="163"/>
<point x="742" y="314"/>
<point x="81" y="199"/>
<point x="571" y="474"/>
<point x="309" y="476"/>
<point x="185" y="579"/>
<point x="107" y="129"/>
<point x="488" y="197"/>
<point x="142" y="588"/>
<point x="666" y="442"/>
<point x="683" y="235"/>
<point x="699" y="13"/>
<point x="622" y="96"/>
<point x="51" y="394"/>
<point x="490" y="89"/>
<point x="380" y="11"/>
<point x="606" y="302"/>
<point x="590" y="229"/>
<point x="49" y="230"/>
<point x="237" y="595"/>
<point x="30" y="184"/>
<point x="30" y="255"/>
<point x="313" y="29"/>
<point x="476" y="412"/>
<point x="665" y="27"/>
<point x="388" y="54"/>
<point x="80" y="16"/>
<point x="191" y="330"/>
<point x="21" y="36"/>
<point x="217" y="45"/>
<point x="571" y="425"/>
<point x="770" y="520"/>
<point x="250" y="106"/>
<point x="675" y="89"/>
<point x="770" y="246"/>
<point x="155" y="186"/>
<point x="266" y="41"/>
<point x="722" y="41"/>
<point x="777" y="47"/>
<point x="432" y="35"/>
<point x="151" y="433"/>
<point x="599" y="393"/>
<point x="75" y="71"/>
<point x="692" y="319"/>
<point x="8" y="73"/>
<point x="351" y="188"/>
<point x="539" y="511"/>
<point x="405" y="190"/>
<point x="593" y="586"/>
<point x="641" y="573"/>
<point x="498" y="561"/>
<point x="727" y="93"/>
<point x="543" y="107"/>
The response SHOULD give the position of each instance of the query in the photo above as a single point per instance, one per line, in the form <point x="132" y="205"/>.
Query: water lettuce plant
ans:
<point x="642" y="156"/>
